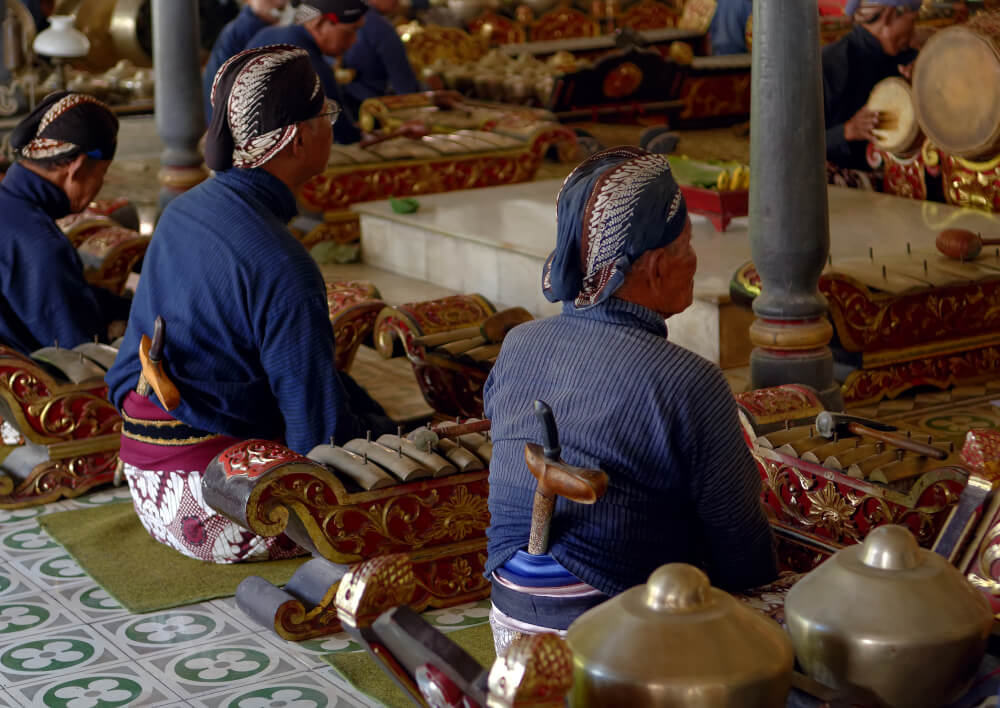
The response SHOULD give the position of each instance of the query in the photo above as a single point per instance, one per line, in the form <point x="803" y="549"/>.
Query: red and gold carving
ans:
<point x="713" y="96"/>
<point x="336" y="227"/>
<point x="966" y="183"/>
<point x="255" y="458"/>
<point x="354" y="305"/>
<point x="59" y="478"/>
<point x="622" y="81"/>
<point x="767" y="405"/>
<point x="648" y="15"/>
<point x="697" y="15"/>
<point x="497" y="29"/>
<point x="563" y="22"/>
<point x="427" y="44"/>
<point x="902" y="176"/>
<point x="981" y="452"/>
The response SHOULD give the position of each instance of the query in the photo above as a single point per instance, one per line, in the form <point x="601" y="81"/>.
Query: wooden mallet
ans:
<point x="556" y="479"/>
<point x="962" y="244"/>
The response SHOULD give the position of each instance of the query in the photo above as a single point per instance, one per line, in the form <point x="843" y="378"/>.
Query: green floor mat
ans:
<point x="112" y="546"/>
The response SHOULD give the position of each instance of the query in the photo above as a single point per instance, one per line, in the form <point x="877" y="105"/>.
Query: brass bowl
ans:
<point x="678" y="642"/>
<point x="890" y="617"/>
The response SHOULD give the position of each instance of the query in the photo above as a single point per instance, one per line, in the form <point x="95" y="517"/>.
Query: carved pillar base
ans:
<point x="795" y="350"/>
<point x="175" y="180"/>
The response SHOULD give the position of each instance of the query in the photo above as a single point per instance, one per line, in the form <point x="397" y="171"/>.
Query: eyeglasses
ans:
<point x="331" y="109"/>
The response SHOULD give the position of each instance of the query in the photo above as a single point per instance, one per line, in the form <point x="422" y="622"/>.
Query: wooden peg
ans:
<point x="871" y="254"/>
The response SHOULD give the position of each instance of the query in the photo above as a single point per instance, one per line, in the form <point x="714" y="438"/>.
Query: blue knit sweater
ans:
<point x="659" y="419"/>
<point x="231" y="41"/>
<point x="344" y="130"/>
<point x="728" y="30"/>
<point x="248" y="337"/>
<point x="380" y="60"/>
<point x="44" y="296"/>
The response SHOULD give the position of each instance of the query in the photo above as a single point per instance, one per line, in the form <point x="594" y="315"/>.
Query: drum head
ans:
<point x="956" y="92"/>
<point x="898" y="129"/>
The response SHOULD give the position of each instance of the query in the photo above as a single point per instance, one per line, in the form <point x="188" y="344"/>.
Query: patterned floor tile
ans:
<point x="88" y="601"/>
<point x="142" y="636"/>
<point x="301" y="690"/>
<point x="13" y="516"/>
<point x="111" y="686"/>
<point x="467" y="615"/>
<point x="30" y="615"/>
<point x="51" y="569"/>
<point x="309" y="651"/>
<point x="340" y="684"/>
<point x="228" y="606"/>
<point x="58" y="653"/>
<point x="106" y="495"/>
<point x="230" y="663"/>
<point x="14" y="584"/>
<point x="26" y="539"/>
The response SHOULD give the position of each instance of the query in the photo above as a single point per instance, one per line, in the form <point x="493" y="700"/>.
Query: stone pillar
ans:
<point x="789" y="224"/>
<point x="180" y="116"/>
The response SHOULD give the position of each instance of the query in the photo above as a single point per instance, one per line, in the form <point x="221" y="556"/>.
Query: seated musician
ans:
<point x="249" y="344"/>
<point x="234" y="38"/>
<point x="324" y="28"/>
<point x="379" y="59"/>
<point x="728" y="31"/>
<point x="877" y="47"/>
<point x="657" y="418"/>
<point x="63" y="151"/>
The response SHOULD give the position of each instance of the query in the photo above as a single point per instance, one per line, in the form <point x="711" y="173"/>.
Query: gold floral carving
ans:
<point x="463" y="514"/>
<point x="537" y="671"/>
<point x="374" y="586"/>
<point x="460" y="579"/>
<point x="378" y="517"/>
<point x="712" y="96"/>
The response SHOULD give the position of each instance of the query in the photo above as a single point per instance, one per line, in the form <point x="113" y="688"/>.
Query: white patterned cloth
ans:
<point x="171" y="508"/>
<point x="9" y="434"/>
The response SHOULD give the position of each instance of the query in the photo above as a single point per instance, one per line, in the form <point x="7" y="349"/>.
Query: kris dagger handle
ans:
<point x="550" y="434"/>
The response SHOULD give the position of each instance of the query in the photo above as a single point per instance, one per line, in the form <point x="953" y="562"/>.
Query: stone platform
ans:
<point x="494" y="242"/>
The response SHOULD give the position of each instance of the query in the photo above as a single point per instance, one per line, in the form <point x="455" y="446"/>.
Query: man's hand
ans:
<point x="267" y="10"/>
<point x="116" y="329"/>
<point x="862" y="125"/>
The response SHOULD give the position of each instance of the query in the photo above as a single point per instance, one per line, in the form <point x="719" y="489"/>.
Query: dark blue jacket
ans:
<point x="231" y="41"/>
<point x="248" y="337"/>
<point x="344" y="130"/>
<point x="659" y="419"/>
<point x="44" y="295"/>
<point x="729" y="26"/>
<point x="379" y="58"/>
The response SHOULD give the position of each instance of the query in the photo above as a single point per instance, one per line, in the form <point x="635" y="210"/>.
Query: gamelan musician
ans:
<point x="249" y="344"/>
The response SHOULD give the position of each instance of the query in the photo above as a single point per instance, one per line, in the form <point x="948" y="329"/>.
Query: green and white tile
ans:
<point x="52" y="569"/>
<point x="309" y="651"/>
<point x="33" y="614"/>
<point x="106" y="495"/>
<point x="14" y="516"/>
<point x="25" y="540"/>
<point x="468" y="615"/>
<point x="108" y="687"/>
<point x="59" y="653"/>
<point x="231" y="663"/>
<point x="171" y="631"/>
<point x="88" y="600"/>
<point x="302" y="690"/>
<point x="13" y="584"/>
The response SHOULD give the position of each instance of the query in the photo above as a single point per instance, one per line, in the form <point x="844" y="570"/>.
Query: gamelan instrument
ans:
<point x="962" y="244"/>
<point x="349" y="503"/>
<point x="897" y="131"/>
<point x="956" y="88"/>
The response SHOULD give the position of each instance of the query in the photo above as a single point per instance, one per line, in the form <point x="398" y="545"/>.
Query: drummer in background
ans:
<point x="235" y="36"/>
<point x="378" y="59"/>
<point x="728" y="31"/>
<point x="877" y="47"/>
<point x="63" y="148"/>
<point x="324" y="28"/>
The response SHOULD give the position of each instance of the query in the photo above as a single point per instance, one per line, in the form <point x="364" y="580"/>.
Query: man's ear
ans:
<point x="77" y="167"/>
<point x="299" y="141"/>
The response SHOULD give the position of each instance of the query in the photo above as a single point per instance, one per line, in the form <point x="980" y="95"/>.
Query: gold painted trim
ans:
<point x="873" y="360"/>
<point x="84" y="446"/>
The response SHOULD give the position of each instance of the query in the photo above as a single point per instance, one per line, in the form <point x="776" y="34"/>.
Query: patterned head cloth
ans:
<point x="64" y="125"/>
<point x="266" y="92"/>
<point x="853" y="6"/>
<point x="336" y="11"/>
<point x="616" y="205"/>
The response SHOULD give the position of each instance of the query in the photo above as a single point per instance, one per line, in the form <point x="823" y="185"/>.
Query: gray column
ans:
<point x="789" y="226"/>
<point x="180" y="117"/>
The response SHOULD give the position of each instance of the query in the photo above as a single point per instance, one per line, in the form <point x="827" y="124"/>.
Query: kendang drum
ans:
<point x="898" y="131"/>
<point x="956" y="88"/>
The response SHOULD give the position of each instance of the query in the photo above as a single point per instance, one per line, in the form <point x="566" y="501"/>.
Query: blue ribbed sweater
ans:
<point x="659" y="419"/>
<point x="43" y="295"/>
<point x="248" y="337"/>
<point x="379" y="57"/>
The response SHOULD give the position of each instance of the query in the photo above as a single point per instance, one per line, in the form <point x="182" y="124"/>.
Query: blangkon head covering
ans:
<point x="616" y="205"/>
<point x="336" y="11"/>
<point x="64" y="125"/>
<point x="853" y="6"/>
<point x="265" y="93"/>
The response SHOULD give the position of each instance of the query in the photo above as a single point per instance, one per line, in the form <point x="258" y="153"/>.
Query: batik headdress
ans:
<point x="853" y="6"/>
<point x="336" y="11"/>
<point x="612" y="208"/>
<point x="64" y="125"/>
<point x="266" y="92"/>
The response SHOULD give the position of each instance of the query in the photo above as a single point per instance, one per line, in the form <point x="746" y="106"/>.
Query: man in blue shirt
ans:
<point x="324" y="28"/>
<point x="64" y="148"/>
<point x="379" y="59"/>
<point x="255" y="16"/>
<point x="729" y="26"/>
<point x="657" y="418"/>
